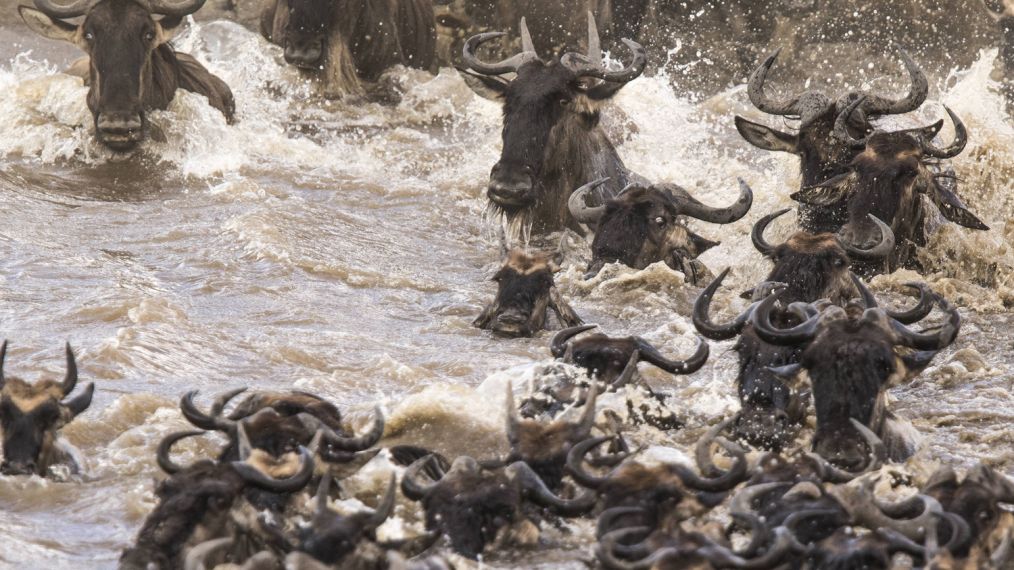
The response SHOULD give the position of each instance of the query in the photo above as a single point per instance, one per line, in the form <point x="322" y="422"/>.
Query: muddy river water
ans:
<point x="344" y="249"/>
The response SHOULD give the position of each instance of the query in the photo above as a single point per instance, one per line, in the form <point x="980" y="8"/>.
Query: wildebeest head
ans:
<point x="471" y="504"/>
<point x="306" y="32"/>
<point x="642" y="226"/>
<point x="330" y="537"/>
<point x="865" y="339"/>
<point x="537" y="102"/>
<point x="887" y="179"/>
<point x="976" y="498"/>
<point x="816" y="266"/>
<point x="31" y="416"/>
<point x="525" y="290"/>
<point x="614" y="360"/>
<point x="120" y="38"/>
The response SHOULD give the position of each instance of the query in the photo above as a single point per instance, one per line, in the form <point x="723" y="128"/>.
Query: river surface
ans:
<point x="344" y="249"/>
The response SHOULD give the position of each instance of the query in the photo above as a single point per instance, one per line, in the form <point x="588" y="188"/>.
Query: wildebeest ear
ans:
<point x="952" y="208"/>
<point x="168" y="27"/>
<point x="485" y="86"/>
<point x="604" y="90"/>
<point x="702" y="244"/>
<point x="827" y="193"/>
<point x="48" y="27"/>
<point x="453" y="21"/>
<point x="766" y="138"/>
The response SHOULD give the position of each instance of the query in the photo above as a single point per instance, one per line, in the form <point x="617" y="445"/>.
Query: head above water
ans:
<point x="121" y="38"/>
<point x="525" y="291"/>
<point x="306" y="33"/>
<point x="31" y="416"/>
<point x="645" y="225"/>
<point x="820" y="154"/>
<point x="541" y="98"/>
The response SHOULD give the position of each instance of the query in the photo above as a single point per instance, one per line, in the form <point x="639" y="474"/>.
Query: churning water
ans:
<point x="342" y="248"/>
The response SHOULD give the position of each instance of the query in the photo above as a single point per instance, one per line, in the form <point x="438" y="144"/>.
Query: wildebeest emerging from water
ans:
<point x="822" y="156"/>
<point x="892" y="178"/>
<point x="31" y="416"/>
<point x="552" y="141"/>
<point x="645" y="225"/>
<point x="342" y="42"/>
<point x="132" y="67"/>
<point x="525" y="292"/>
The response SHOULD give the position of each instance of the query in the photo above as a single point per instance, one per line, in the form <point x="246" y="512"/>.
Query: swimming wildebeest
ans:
<point x="821" y="155"/>
<point x="809" y="267"/>
<point x="31" y="416"/>
<point x="343" y="42"/>
<point x="868" y="339"/>
<point x="645" y="225"/>
<point x="552" y="141"/>
<point x="891" y="179"/>
<point x="525" y="291"/>
<point x="132" y="67"/>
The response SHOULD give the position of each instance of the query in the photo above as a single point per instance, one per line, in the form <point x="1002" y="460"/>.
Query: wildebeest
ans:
<point x="867" y="339"/>
<point x="891" y="179"/>
<point x="342" y="42"/>
<point x="197" y="501"/>
<point x="31" y="416"/>
<point x="552" y="141"/>
<point x="822" y="156"/>
<point x="525" y="291"/>
<point x="132" y="66"/>
<point x="474" y="505"/>
<point x="645" y="225"/>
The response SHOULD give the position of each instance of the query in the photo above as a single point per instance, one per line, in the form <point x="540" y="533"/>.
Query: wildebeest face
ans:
<point x="525" y="291"/>
<point x="813" y="266"/>
<point x="120" y="38"/>
<point x="642" y="226"/>
<point x="32" y="414"/>
<point x="538" y="102"/>
<point x="306" y="32"/>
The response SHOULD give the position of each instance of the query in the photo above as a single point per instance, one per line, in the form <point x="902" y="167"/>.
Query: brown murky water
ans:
<point x="344" y="250"/>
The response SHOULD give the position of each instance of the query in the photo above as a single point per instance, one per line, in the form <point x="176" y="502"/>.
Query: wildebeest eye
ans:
<point x="660" y="221"/>
<point x="565" y="101"/>
<point x="89" y="36"/>
<point x="149" y="36"/>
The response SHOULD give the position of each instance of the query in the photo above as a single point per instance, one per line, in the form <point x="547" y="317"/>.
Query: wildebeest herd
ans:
<point x="817" y="350"/>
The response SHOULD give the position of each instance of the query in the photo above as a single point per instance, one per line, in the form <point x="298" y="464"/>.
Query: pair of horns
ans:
<point x="928" y="148"/>
<point x="582" y="65"/>
<point x="585" y="214"/>
<point x="78" y="8"/>
<point x="876" y="253"/>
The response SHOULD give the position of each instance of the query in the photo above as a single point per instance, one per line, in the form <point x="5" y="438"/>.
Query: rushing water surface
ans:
<point x="343" y="249"/>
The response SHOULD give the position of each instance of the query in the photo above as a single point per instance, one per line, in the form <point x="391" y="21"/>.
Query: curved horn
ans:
<point x="509" y="65"/>
<point x="757" y="235"/>
<point x="290" y="484"/>
<point x="610" y="542"/>
<point x="723" y="482"/>
<point x="410" y="485"/>
<point x="921" y="310"/>
<point x="702" y="450"/>
<point x="559" y="345"/>
<point x="869" y="299"/>
<point x="742" y="503"/>
<point x="878" y="252"/>
<point x="651" y="355"/>
<point x="702" y="314"/>
<point x="165" y="449"/>
<point x="722" y="557"/>
<point x="629" y="371"/>
<point x="725" y="215"/>
<point x="575" y="459"/>
<point x="70" y="379"/>
<point x="800" y="334"/>
<point x="582" y="66"/>
<point x="3" y="357"/>
<point x="578" y="206"/>
<point x="384" y="508"/>
<point x="930" y="341"/>
<point x="841" y="131"/>
<point x="214" y="420"/>
<point x="868" y="514"/>
<point x="536" y="489"/>
<point x="64" y="11"/>
<point x="586" y="422"/>
<point x="362" y="442"/>
<point x="80" y="403"/>
<point x="876" y="105"/>
<point x="956" y="147"/>
<point x="176" y="9"/>
<point x="755" y="89"/>
<point x="607" y="520"/>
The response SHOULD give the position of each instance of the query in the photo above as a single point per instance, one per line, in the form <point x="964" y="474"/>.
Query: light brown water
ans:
<point x="343" y="249"/>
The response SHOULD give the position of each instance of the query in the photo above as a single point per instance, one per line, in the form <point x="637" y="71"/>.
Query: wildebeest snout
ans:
<point x="510" y="186"/>
<point x="120" y="130"/>
<point x="511" y="323"/>
<point x="305" y="53"/>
